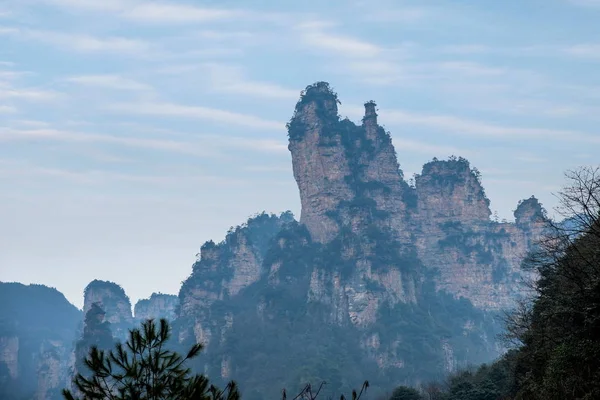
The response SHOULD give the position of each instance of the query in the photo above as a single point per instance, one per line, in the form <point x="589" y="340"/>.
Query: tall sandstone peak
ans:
<point x="348" y="177"/>
<point x="111" y="298"/>
<point x="344" y="172"/>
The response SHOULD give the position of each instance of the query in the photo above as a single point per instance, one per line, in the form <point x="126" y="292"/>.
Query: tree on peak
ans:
<point x="143" y="368"/>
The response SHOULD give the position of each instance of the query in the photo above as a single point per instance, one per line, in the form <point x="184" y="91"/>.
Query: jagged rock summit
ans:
<point x="347" y="175"/>
<point x="349" y="178"/>
<point x="377" y="274"/>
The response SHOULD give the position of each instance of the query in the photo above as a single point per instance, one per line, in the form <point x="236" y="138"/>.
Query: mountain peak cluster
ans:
<point x="379" y="279"/>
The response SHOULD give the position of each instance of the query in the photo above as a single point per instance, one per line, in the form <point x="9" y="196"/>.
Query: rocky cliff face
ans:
<point x="377" y="266"/>
<point x="349" y="179"/>
<point x="347" y="175"/>
<point x="9" y="355"/>
<point x="477" y="258"/>
<point x="158" y="306"/>
<point x="37" y="330"/>
<point x="53" y="369"/>
<point x="116" y="304"/>
<point x="222" y="271"/>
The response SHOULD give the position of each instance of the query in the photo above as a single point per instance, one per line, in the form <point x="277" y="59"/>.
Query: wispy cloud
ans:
<point x="314" y="34"/>
<point x="470" y="68"/>
<point x="30" y="123"/>
<point x="100" y="176"/>
<point x="165" y="13"/>
<point x="530" y="158"/>
<point x="399" y="15"/>
<point x="196" y="112"/>
<point x="109" y="81"/>
<point x="584" y="50"/>
<point x="81" y="42"/>
<point x="91" y="5"/>
<point x="7" y="109"/>
<point x="11" y="75"/>
<point x="408" y="145"/>
<point x="8" y="134"/>
<point x="29" y="94"/>
<point x="465" y="49"/>
<point x="232" y="79"/>
<point x="267" y="168"/>
<point x="263" y="145"/>
<point x="200" y="145"/>
<point x="473" y="127"/>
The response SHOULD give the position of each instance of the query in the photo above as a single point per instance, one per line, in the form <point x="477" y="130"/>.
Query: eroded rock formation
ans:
<point x="377" y="278"/>
<point x="111" y="298"/>
<point x="158" y="306"/>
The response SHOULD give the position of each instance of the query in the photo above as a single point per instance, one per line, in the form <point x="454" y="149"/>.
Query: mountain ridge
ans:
<point x="378" y="278"/>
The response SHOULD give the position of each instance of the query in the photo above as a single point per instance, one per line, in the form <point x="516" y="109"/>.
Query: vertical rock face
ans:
<point x="53" y="369"/>
<point x="450" y="191"/>
<point x="37" y="329"/>
<point x="9" y="355"/>
<point x="345" y="172"/>
<point x="158" y="306"/>
<point x="476" y="258"/>
<point x="349" y="178"/>
<point x="319" y="160"/>
<point x="111" y="298"/>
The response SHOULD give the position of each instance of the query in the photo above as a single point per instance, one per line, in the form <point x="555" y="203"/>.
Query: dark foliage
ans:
<point x="556" y="332"/>
<point x="143" y="368"/>
<point x="280" y="332"/>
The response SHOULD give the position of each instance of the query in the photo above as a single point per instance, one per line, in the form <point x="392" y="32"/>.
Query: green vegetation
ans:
<point x="282" y="331"/>
<point x="556" y="334"/>
<point x="405" y="393"/>
<point x="448" y="173"/>
<point x="144" y="368"/>
<point x="96" y="333"/>
<point x="326" y="101"/>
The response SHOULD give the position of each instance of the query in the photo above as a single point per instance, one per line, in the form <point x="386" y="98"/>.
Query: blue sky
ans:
<point x="133" y="131"/>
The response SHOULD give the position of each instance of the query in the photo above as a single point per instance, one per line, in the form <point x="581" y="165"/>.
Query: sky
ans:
<point x="133" y="131"/>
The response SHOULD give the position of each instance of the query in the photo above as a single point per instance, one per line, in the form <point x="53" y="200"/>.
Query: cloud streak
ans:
<point x="313" y="34"/>
<point x="7" y="109"/>
<point x="109" y="81"/>
<point x="473" y="127"/>
<point x="81" y="42"/>
<point x="29" y="94"/>
<point x="206" y="145"/>
<point x="196" y="112"/>
<point x="232" y="79"/>
<point x="168" y="13"/>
